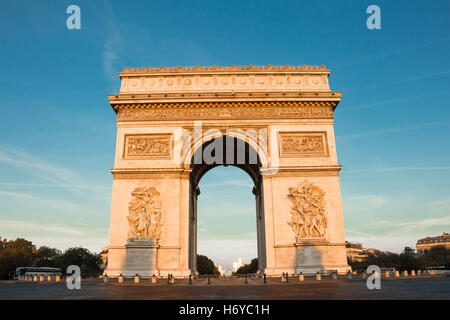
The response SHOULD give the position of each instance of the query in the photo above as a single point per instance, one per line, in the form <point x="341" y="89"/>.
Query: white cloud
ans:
<point x="61" y="236"/>
<point x="391" y="169"/>
<point x="390" y="130"/>
<point x="42" y="168"/>
<point x="376" y="200"/>
<point x="395" y="235"/>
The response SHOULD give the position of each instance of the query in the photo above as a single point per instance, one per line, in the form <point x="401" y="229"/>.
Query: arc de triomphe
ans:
<point x="175" y="124"/>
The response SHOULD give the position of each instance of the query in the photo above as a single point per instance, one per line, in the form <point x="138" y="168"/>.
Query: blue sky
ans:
<point x="57" y="130"/>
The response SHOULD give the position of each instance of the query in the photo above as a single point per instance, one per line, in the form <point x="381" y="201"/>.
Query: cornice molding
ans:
<point x="223" y="69"/>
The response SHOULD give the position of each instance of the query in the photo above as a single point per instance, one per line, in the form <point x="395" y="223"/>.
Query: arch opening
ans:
<point x="226" y="151"/>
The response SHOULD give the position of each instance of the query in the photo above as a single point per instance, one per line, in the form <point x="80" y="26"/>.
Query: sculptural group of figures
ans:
<point x="308" y="217"/>
<point x="144" y="214"/>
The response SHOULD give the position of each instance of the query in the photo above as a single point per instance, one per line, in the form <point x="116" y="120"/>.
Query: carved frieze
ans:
<point x="298" y="144"/>
<point x="232" y="110"/>
<point x="144" y="214"/>
<point x="147" y="146"/>
<point x="308" y="211"/>
<point x="204" y="79"/>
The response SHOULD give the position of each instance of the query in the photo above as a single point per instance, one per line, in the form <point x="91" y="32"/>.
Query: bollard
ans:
<point x="58" y="278"/>
<point x="405" y="273"/>
<point x="387" y="274"/>
<point x="105" y="278"/>
<point x="136" y="278"/>
<point x="413" y="273"/>
<point x="265" y="278"/>
<point x="301" y="277"/>
<point x="334" y="275"/>
<point x="49" y="278"/>
<point x="349" y="275"/>
<point x="318" y="276"/>
<point x="190" y="279"/>
<point x="153" y="279"/>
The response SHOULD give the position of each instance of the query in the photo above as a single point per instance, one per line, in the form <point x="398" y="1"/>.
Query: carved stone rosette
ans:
<point x="308" y="212"/>
<point x="144" y="214"/>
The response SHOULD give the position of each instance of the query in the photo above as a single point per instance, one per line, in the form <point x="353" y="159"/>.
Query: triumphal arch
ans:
<point x="176" y="124"/>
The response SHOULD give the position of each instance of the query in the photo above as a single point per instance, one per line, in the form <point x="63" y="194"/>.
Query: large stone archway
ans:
<point x="235" y="152"/>
<point x="276" y="123"/>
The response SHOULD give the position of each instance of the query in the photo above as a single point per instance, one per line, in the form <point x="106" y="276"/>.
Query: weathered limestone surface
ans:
<point x="164" y="115"/>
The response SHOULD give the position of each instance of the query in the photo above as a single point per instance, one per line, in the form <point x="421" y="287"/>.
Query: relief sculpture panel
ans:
<point x="295" y="144"/>
<point x="308" y="211"/>
<point x="144" y="214"/>
<point x="148" y="146"/>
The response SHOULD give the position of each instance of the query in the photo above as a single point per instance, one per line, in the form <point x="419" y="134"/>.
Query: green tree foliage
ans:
<point x="205" y="266"/>
<point x="88" y="262"/>
<point x="47" y="257"/>
<point x="252" y="267"/>
<point x="16" y="253"/>
<point x="19" y="253"/>
<point x="406" y="260"/>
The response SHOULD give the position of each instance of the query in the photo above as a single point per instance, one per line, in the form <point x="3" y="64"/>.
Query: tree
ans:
<point x="206" y="266"/>
<point x="47" y="257"/>
<point x="252" y="267"/>
<point x="16" y="253"/>
<point x="88" y="262"/>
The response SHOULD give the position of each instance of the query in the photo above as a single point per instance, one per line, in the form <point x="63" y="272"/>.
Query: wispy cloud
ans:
<point x="42" y="168"/>
<point x="390" y="130"/>
<point x="395" y="235"/>
<point x="61" y="236"/>
<point x="378" y="103"/>
<point x="110" y="55"/>
<point x="373" y="199"/>
<point x="43" y="185"/>
<point x="39" y="204"/>
<point x="392" y="169"/>
<point x="406" y="80"/>
<point x="399" y="51"/>
<point x="233" y="183"/>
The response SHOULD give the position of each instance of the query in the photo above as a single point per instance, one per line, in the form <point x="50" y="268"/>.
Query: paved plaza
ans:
<point x="404" y="288"/>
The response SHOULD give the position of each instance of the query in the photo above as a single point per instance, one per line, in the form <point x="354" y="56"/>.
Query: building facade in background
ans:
<point x="425" y="244"/>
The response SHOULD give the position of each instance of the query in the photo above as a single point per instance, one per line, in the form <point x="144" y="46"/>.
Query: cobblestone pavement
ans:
<point x="402" y="288"/>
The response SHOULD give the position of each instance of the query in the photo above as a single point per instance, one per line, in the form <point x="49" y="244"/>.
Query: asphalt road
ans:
<point x="421" y="289"/>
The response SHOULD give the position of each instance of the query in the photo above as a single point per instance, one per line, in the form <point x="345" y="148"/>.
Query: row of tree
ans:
<point x="20" y="253"/>
<point x="251" y="267"/>
<point x="406" y="260"/>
